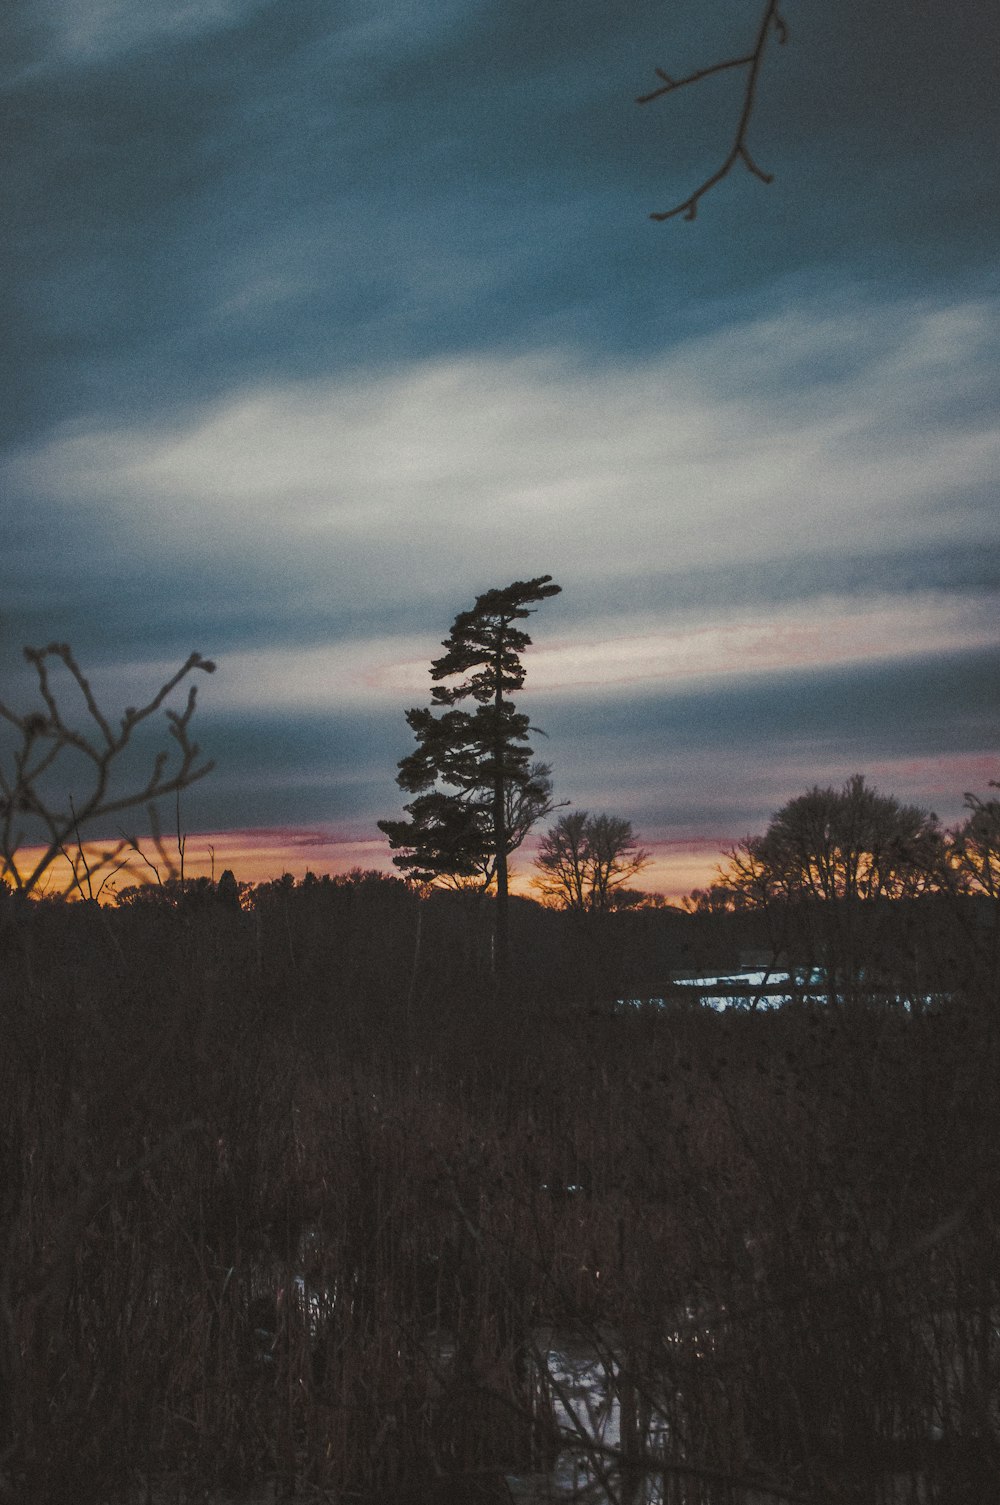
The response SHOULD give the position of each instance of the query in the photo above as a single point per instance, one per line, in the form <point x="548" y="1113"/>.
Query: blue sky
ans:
<point x="323" y="318"/>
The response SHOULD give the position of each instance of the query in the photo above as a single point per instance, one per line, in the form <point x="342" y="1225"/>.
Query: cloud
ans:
<point x="694" y="765"/>
<point x="775" y="544"/>
<point x="609" y="655"/>
<point x="205" y="193"/>
<point x="325" y="318"/>
<point x="798" y="495"/>
<point x="865" y="429"/>
<point x="79" y="32"/>
<point x="822" y="632"/>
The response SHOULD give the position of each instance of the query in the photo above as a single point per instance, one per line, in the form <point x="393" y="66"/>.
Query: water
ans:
<point x="755" y="988"/>
<point x="600" y="1420"/>
<point x="585" y="1385"/>
<point x="764" y="990"/>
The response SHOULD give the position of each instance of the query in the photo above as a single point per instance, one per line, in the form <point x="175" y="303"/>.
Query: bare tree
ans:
<point x="975" y="846"/>
<point x="48" y="749"/>
<point x="771" y="20"/>
<point x="584" y="859"/>
<point x="840" y="845"/>
<point x="974" y="861"/>
<point x="824" y="869"/>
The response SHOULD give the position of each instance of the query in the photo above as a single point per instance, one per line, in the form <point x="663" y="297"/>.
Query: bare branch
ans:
<point x="46" y="735"/>
<point x="670" y="84"/>
<point x="771" y="20"/>
<point x="64" y="652"/>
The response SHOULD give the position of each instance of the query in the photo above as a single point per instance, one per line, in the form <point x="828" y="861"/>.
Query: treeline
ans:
<point x="341" y="943"/>
<point x="890" y="922"/>
<point x="333" y="949"/>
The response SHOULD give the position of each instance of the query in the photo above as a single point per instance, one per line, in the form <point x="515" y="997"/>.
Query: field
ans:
<point x="295" y="1201"/>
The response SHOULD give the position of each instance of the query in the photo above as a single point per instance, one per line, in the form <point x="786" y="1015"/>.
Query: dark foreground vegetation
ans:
<point x="289" y="1194"/>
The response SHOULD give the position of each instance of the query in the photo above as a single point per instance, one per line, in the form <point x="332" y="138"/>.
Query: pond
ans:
<point x="759" y="989"/>
<point x="755" y="988"/>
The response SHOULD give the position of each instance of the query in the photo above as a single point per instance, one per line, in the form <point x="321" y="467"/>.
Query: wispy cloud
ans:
<point x="75" y="32"/>
<point x="325" y="318"/>
<point x="611" y="655"/>
<point x="465" y="471"/>
<point x="766" y="540"/>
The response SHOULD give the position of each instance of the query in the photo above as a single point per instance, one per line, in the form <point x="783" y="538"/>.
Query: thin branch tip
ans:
<point x="771" y="18"/>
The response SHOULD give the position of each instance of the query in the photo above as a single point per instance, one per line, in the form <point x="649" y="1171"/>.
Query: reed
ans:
<point x="273" y="1213"/>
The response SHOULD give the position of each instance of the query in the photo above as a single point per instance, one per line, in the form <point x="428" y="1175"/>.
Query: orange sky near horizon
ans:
<point x="258" y="856"/>
<point x="678" y="863"/>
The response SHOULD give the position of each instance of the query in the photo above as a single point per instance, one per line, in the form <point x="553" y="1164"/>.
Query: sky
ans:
<point x="322" y="318"/>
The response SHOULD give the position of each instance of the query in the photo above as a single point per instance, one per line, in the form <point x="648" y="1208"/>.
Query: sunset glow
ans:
<point x="682" y="857"/>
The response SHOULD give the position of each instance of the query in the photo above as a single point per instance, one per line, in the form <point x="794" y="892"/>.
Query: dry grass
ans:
<point x="283" y="1216"/>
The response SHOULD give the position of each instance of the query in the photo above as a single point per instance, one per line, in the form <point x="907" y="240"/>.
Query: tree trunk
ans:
<point x="502" y="954"/>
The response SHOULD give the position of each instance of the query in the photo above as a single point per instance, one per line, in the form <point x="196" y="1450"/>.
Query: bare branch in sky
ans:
<point x="771" y="20"/>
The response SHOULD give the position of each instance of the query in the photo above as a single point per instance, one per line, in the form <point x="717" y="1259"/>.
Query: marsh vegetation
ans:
<point x="293" y="1198"/>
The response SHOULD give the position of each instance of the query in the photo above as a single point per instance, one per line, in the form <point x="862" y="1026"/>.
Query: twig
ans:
<point x="45" y="735"/>
<point x="771" y="19"/>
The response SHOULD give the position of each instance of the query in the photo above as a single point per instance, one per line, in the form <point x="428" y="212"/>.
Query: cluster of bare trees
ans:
<point x="855" y="844"/>
<point x="585" y="861"/>
<point x="837" y="867"/>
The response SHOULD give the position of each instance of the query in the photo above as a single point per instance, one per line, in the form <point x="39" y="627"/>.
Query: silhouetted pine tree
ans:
<point x="477" y="791"/>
